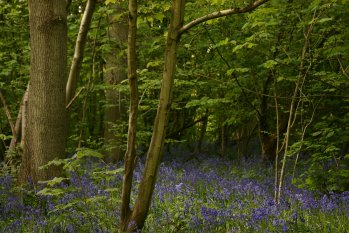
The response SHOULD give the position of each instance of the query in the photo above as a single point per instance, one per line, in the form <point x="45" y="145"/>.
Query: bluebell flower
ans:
<point x="179" y="187"/>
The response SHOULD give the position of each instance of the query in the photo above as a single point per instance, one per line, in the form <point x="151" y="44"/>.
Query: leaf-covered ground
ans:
<point x="203" y="194"/>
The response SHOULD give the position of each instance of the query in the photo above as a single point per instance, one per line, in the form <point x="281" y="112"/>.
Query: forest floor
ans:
<point x="203" y="194"/>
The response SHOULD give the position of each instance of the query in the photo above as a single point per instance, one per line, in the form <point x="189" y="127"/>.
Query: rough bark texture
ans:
<point x="46" y="127"/>
<point x="130" y="154"/>
<point x="116" y="71"/>
<point x="79" y="50"/>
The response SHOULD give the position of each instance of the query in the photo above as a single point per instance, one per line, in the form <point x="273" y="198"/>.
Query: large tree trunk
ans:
<point x="46" y="127"/>
<point x="116" y="71"/>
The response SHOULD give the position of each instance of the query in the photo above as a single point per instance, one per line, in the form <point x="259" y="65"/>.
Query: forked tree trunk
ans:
<point x="46" y="127"/>
<point x="132" y="220"/>
<point x="146" y="187"/>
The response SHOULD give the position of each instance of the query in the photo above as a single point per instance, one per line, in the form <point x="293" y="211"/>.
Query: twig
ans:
<point x="73" y="99"/>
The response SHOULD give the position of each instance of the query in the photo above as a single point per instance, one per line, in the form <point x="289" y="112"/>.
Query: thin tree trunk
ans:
<point x="18" y="124"/>
<point x="79" y="50"/>
<point x="203" y="128"/>
<point x="294" y="102"/>
<point x="130" y="154"/>
<point x="24" y="117"/>
<point x="46" y="128"/>
<point x="146" y="186"/>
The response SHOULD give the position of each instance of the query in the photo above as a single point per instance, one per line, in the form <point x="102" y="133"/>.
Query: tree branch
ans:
<point x="222" y="13"/>
<point x="187" y="126"/>
<point x="79" y="50"/>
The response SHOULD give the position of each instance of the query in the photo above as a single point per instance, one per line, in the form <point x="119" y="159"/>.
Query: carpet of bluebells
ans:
<point x="202" y="194"/>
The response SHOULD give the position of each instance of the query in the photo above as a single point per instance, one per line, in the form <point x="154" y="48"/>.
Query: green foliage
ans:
<point x="228" y="69"/>
<point x="14" y="60"/>
<point x="12" y="162"/>
<point x="85" y="170"/>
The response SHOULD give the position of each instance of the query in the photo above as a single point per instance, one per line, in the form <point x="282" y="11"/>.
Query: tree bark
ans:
<point x="146" y="186"/>
<point x="222" y="13"/>
<point x="116" y="72"/>
<point x="203" y="128"/>
<point x="130" y="154"/>
<point x="24" y="117"/>
<point x="138" y="215"/>
<point x="79" y="50"/>
<point x="46" y="127"/>
<point x="18" y="123"/>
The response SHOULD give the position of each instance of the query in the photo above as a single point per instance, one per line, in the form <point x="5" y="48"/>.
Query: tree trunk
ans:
<point x="79" y="50"/>
<point x="24" y="117"/>
<point x="116" y="72"/>
<point x="130" y="154"/>
<point x="135" y="219"/>
<point x="203" y="128"/>
<point x="46" y="128"/>
<point x="146" y="186"/>
<point x="19" y="121"/>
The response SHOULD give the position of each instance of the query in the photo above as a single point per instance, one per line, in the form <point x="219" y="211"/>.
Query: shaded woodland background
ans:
<point x="269" y="84"/>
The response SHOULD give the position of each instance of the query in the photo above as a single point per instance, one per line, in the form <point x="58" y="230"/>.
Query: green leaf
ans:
<point x="111" y="190"/>
<point x="65" y="206"/>
<point x="5" y="137"/>
<point x="107" y="2"/>
<point x="51" y="192"/>
<point x="238" y="70"/>
<point x="55" y="162"/>
<point x="316" y="133"/>
<point x="270" y="64"/>
<point x="159" y="16"/>
<point x="154" y="63"/>
<point x="325" y="20"/>
<point x="110" y="172"/>
<point x="86" y="152"/>
<point x="54" y="181"/>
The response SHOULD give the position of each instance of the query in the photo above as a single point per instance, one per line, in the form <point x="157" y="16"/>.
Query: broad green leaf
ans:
<point x="54" y="181"/>
<point x="51" y="192"/>
<point x="270" y="64"/>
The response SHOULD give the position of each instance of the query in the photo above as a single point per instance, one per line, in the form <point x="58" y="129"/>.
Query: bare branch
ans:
<point x="344" y="71"/>
<point x="222" y="13"/>
<point x="74" y="98"/>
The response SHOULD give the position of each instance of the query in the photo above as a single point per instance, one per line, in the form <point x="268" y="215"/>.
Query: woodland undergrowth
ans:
<point x="192" y="194"/>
